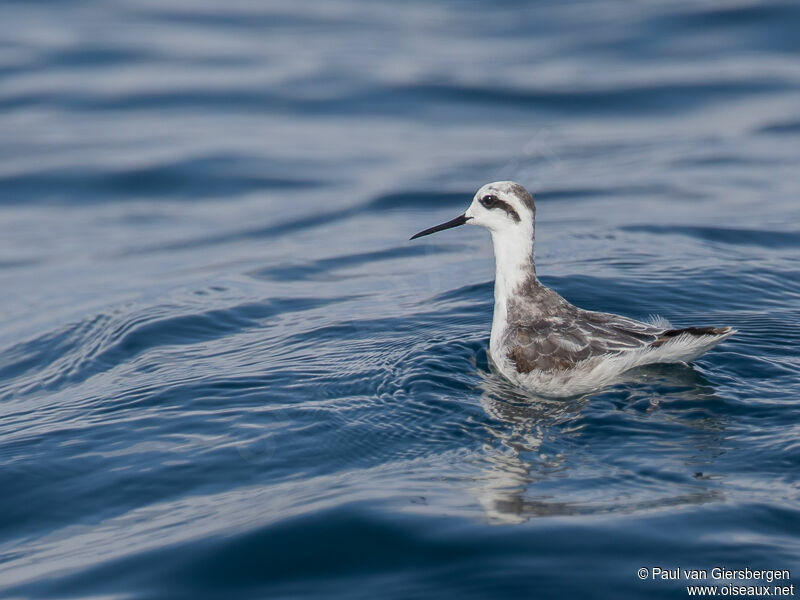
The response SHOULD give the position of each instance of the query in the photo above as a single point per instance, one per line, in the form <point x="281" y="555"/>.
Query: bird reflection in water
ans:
<point x="539" y="449"/>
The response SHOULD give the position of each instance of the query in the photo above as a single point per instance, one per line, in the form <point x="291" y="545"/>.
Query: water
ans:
<point x="225" y="372"/>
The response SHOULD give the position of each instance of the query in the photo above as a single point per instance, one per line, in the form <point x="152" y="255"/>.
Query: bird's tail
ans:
<point x="690" y="342"/>
<point x="694" y="332"/>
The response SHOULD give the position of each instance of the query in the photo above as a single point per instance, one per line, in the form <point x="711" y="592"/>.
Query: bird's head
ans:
<point x="501" y="207"/>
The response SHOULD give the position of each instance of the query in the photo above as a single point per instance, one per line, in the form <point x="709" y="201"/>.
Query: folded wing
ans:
<point x="559" y="343"/>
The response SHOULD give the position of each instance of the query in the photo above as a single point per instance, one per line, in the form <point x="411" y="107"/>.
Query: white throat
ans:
<point x="513" y="252"/>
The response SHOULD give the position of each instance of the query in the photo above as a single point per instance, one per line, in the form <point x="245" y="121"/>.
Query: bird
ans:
<point x="541" y="342"/>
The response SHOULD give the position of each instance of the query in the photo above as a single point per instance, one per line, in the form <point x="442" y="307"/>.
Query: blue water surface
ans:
<point x="225" y="372"/>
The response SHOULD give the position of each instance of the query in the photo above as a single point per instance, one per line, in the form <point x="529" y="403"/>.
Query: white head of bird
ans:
<point x="507" y="210"/>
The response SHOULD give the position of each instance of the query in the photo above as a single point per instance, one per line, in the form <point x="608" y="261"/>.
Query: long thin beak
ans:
<point x="454" y="223"/>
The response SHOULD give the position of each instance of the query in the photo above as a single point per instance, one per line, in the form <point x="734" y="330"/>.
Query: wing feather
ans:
<point x="554" y="344"/>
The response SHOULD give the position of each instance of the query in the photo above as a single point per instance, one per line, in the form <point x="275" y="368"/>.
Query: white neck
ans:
<point x="513" y="254"/>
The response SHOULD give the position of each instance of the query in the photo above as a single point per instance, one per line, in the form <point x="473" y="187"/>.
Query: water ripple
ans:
<point x="225" y="371"/>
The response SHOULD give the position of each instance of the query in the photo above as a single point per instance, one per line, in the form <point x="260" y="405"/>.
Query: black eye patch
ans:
<point x="491" y="201"/>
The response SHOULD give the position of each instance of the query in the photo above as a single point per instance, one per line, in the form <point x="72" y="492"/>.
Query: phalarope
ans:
<point x="540" y="341"/>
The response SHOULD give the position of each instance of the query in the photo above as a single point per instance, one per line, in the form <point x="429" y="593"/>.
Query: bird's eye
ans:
<point x="489" y="201"/>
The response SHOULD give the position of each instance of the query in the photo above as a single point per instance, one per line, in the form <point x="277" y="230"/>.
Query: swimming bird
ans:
<point x="540" y="341"/>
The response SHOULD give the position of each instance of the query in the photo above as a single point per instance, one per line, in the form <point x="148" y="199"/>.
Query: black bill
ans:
<point x="454" y="223"/>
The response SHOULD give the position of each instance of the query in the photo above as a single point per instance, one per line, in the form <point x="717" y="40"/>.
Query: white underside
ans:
<point x="601" y="371"/>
